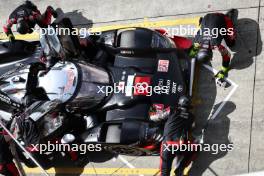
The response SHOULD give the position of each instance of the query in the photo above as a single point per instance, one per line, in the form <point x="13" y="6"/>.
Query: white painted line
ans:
<point x="233" y="84"/>
<point x="215" y="72"/>
<point x="224" y="102"/>
<point x="127" y="163"/>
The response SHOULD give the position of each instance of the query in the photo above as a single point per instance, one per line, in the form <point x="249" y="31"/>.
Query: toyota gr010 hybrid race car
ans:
<point x="121" y="104"/>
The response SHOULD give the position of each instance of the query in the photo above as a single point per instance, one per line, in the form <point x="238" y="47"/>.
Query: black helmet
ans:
<point x="205" y="52"/>
<point x="22" y="27"/>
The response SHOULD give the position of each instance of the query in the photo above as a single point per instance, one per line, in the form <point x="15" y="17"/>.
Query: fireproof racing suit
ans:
<point x="214" y="28"/>
<point x="176" y="133"/>
<point x="28" y="15"/>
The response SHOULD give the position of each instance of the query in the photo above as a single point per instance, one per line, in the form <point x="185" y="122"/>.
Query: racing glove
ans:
<point x="194" y="50"/>
<point x="222" y="73"/>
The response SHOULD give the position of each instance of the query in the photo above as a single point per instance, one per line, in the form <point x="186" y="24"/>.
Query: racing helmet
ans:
<point x="205" y="52"/>
<point x="22" y="26"/>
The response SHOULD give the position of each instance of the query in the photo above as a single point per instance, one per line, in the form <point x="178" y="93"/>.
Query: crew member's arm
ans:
<point x="231" y="34"/>
<point x="226" y="58"/>
<point x="8" y="28"/>
<point x="43" y="20"/>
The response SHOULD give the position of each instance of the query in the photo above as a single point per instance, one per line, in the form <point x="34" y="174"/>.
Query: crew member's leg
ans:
<point x="175" y="133"/>
<point x="188" y="158"/>
<point x="7" y="166"/>
<point x="226" y="55"/>
<point x="46" y="17"/>
<point x="166" y="158"/>
<point x="230" y="37"/>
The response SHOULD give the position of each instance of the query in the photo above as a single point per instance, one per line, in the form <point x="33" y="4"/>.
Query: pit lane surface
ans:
<point x="239" y="122"/>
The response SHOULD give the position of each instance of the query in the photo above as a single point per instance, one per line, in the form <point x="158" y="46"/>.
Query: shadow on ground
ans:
<point x="76" y="17"/>
<point x="216" y="133"/>
<point x="204" y="98"/>
<point x="248" y="44"/>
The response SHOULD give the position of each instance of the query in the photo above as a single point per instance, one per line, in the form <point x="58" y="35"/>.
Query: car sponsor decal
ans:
<point x="158" y="107"/>
<point x="163" y="65"/>
<point x="141" y="85"/>
<point x="129" y="85"/>
<point x="159" y="112"/>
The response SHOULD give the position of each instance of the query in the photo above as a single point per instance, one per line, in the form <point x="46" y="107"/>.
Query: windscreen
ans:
<point x="93" y="78"/>
<point x="159" y="41"/>
<point x="50" y="43"/>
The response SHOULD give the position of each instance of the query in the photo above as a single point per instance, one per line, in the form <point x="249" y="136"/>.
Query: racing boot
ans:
<point x="232" y="14"/>
<point x="182" y="171"/>
<point x="183" y="168"/>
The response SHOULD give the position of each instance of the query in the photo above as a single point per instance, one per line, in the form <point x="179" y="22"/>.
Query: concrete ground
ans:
<point x="240" y="121"/>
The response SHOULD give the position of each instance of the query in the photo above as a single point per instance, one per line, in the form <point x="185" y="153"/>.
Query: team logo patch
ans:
<point x="163" y="65"/>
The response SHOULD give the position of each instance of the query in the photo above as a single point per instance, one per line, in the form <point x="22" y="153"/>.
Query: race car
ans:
<point x="121" y="103"/>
